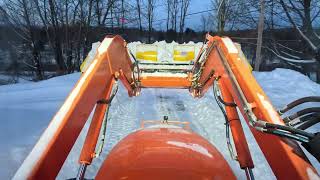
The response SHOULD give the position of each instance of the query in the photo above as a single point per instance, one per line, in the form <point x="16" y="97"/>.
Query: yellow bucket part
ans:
<point x="83" y="65"/>
<point x="183" y="53"/>
<point x="147" y="52"/>
<point x="147" y="55"/>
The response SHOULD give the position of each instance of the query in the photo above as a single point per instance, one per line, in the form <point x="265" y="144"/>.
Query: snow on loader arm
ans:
<point x="91" y="55"/>
<point x="166" y="151"/>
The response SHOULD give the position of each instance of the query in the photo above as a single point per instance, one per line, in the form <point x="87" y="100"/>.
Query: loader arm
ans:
<point x="220" y="62"/>
<point x="48" y="155"/>
<point x="223" y="62"/>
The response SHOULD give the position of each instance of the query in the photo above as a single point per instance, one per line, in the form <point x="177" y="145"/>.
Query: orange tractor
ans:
<point x="170" y="149"/>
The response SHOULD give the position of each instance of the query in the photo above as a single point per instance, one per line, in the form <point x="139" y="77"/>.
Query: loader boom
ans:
<point x="220" y="63"/>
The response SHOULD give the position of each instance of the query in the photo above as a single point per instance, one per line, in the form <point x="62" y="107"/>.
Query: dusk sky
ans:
<point x="192" y="21"/>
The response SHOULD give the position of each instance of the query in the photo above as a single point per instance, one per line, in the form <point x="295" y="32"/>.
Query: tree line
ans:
<point x="302" y="17"/>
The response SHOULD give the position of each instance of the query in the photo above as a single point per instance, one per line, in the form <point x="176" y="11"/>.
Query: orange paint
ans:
<point x="164" y="153"/>
<point x="89" y="146"/>
<point x="239" y="139"/>
<point x="164" y="82"/>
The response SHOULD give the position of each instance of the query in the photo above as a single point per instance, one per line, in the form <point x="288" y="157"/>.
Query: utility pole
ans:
<point x="260" y="32"/>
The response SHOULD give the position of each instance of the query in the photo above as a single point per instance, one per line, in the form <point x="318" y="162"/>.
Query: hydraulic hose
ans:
<point x="289" y="129"/>
<point x="229" y="145"/>
<point x="309" y="116"/>
<point x="298" y="102"/>
<point x="300" y="120"/>
<point x="302" y="113"/>
<point x="215" y="91"/>
<point x="226" y="103"/>
<point x="104" y="127"/>
<point x="287" y="135"/>
<point x="309" y="123"/>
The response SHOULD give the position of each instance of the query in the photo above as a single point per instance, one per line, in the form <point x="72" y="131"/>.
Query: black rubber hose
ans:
<point x="215" y="91"/>
<point x="302" y="113"/>
<point x="298" y="102"/>
<point x="108" y="101"/>
<point x="309" y="116"/>
<point x="232" y="104"/>
<point x="309" y="123"/>
<point x="283" y="134"/>
<point x="230" y="148"/>
<point x="290" y="129"/>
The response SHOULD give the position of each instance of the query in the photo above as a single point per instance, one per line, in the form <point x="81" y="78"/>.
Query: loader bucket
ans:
<point x="183" y="53"/>
<point x="147" y="53"/>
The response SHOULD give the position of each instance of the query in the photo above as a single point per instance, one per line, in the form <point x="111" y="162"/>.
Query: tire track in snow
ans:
<point x="165" y="102"/>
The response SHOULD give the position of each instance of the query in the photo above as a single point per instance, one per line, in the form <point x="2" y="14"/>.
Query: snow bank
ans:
<point x="284" y="85"/>
<point x="26" y="110"/>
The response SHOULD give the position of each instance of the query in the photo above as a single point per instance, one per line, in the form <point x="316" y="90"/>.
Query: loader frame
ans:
<point x="220" y="62"/>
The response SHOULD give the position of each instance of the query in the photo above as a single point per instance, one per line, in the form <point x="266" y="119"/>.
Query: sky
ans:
<point x="192" y="21"/>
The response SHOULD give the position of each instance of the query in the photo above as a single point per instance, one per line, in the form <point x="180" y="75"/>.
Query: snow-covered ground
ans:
<point x="26" y="110"/>
<point x="7" y="79"/>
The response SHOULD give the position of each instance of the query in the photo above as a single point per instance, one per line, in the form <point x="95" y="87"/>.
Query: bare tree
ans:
<point x="174" y="12"/>
<point x="108" y="8"/>
<point x="139" y="14"/>
<point x="168" y="8"/>
<point x="87" y="28"/>
<point x="234" y="13"/>
<point x="306" y="30"/>
<point x="150" y="17"/>
<point x="122" y="15"/>
<point x="299" y="15"/>
<point x="25" y="29"/>
<point x="204" y="23"/>
<point x="56" y="36"/>
<point x="183" y="12"/>
<point x="260" y="32"/>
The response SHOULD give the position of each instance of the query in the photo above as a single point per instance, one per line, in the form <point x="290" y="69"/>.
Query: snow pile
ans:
<point x="294" y="84"/>
<point x="26" y="110"/>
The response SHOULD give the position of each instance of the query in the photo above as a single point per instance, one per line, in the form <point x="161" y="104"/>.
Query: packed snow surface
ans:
<point x="26" y="109"/>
